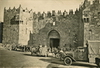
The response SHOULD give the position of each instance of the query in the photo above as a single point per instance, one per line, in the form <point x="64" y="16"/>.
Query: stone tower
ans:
<point x="11" y="25"/>
<point x="91" y="22"/>
<point x="17" y="25"/>
<point x="25" y="26"/>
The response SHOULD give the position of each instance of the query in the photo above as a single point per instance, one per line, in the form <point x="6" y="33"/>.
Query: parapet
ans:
<point x="71" y="12"/>
<point x="11" y="10"/>
<point x="48" y="14"/>
<point x="65" y="13"/>
<point x="59" y="12"/>
<point x="96" y="2"/>
<point x="44" y="14"/>
<point x="53" y="13"/>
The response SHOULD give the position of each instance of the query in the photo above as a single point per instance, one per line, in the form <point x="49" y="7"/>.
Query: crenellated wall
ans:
<point x="66" y="24"/>
<point x="10" y="25"/>
<point x="18" y="24"/>
<point x="25" y="27"/>
<point x="50" y="17"/>
<point x="74" y="28"/>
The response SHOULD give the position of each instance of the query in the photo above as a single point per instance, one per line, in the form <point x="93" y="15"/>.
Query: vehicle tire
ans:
<point x="57" y="56"/>
<point x="68" y="61"/>
<point x="31" y="53"/>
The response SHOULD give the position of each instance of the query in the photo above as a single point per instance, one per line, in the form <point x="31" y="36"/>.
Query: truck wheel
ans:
<point x="68" y="61"/>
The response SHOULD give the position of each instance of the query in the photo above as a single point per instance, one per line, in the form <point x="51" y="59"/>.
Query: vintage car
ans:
<point x="67" y="57"/>
<point x="34" y="51"/>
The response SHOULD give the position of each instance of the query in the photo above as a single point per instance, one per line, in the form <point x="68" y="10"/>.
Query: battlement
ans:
<point x="26" y="10"/>
<point x="52" y="13"/>
<point x="96" y="2"/>
<point x="12" y="9"/>
<point x="55" y="13"/>
<point x="87" y="3"/>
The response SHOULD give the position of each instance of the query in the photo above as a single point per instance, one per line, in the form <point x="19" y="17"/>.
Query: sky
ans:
<point x="40" y="5"/>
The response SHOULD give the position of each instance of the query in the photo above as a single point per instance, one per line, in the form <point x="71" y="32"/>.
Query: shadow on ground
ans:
<point x="85" y="64"/>
<point x="53" y="60"/>
<point x="27" y="54"/>
<point x="53" y="66"/>
<point x="56" y="62"/>
<point x="32" y="55"/>
<point x="18" y="50"/>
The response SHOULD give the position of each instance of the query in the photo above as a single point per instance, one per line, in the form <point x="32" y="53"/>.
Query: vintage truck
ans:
<point x="93" y="54"/>
<point x="94" y="51"/>
<point x="68" y="58"/>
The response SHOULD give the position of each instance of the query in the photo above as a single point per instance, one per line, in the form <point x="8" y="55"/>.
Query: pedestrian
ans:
<point x="62" y="54"/>
<point x="44" y="51"/>
<point x="40" y="50"/>
<point x="55" y="51"/>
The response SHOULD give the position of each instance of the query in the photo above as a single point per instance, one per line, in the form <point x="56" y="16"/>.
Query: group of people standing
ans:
<point x="42" y="50"/>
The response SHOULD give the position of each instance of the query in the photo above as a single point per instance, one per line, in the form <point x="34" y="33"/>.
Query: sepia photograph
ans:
<point x="49" y="33"/>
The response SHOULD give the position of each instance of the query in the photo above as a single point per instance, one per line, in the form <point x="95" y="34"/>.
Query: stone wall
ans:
<point x="10" y="25"/>
<point x="68" y="26"/>
<point x="25" y="26"/>
<point x="92" y="27"/>
<point x="1" y="31"/>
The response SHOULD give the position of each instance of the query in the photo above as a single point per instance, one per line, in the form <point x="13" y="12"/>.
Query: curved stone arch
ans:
<point x="51" y="31"/>
<point x="53" y="38"/>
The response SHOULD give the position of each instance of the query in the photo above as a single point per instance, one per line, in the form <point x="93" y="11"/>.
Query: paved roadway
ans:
<point x="16" y="59"/>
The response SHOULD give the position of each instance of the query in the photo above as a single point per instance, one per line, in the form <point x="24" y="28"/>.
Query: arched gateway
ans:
<point x="53" y="39"/>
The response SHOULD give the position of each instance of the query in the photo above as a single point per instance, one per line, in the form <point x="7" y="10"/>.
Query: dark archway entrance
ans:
<point x="53" y="39"/>
<point x="54" y="42"/>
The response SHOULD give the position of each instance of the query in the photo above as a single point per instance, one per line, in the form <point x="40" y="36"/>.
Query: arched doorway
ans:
<point x="54" y="39"/>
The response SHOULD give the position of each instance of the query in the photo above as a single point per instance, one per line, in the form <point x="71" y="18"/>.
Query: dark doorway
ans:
<point x="54" y="42"/>
<point x="53" y="39"/>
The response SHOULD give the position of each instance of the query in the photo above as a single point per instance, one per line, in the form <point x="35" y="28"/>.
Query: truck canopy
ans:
<point x="93" y="50"/>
